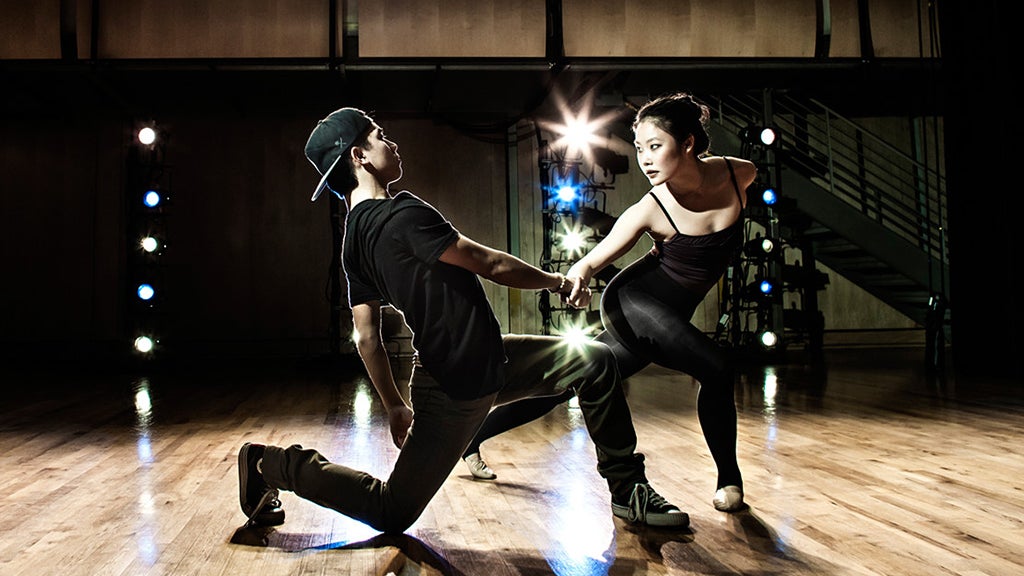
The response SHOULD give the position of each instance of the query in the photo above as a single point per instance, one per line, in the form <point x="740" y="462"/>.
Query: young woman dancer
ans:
<point x="694" y="214"/>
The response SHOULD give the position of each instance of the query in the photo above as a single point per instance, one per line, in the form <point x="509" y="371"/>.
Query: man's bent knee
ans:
<point x="600" y="371"/>
<point x="396" y="523"/>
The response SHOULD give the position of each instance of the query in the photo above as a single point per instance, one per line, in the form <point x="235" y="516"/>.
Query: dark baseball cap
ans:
<point x="331" y="139"/>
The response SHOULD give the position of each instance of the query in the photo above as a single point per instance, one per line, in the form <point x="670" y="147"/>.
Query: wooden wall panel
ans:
<point x="30" y="29"/>
<point x="783" y="28"/>
<point x="689" y="28"/>
<point x="896" y="26"/>
<point x="524" y="313"/>
<point x="463" y="28"/>
<point x="452" y="28"/>
<point x="895" y="29"/>
<point x="845" y="41"/>
<point x="221" y="29"/>
<point x="611" y="28"/>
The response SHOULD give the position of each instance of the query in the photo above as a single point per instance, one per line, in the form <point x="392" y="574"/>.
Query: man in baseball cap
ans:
<point x="398" y="250"/>
<point x="332" y="138"/>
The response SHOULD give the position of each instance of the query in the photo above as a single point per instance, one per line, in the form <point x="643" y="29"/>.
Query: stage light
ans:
<point x="759" y="135"/>
<point x="761" y="289"/>
<point x="150" y="244"/>
<point x="577" y="134"/>
<point x="151" y="199"/>
<point x="769" y="339"/>
<point x="147" y="136"/>
<point x="759" y="194"/>
<point x="578" y="131"/>
<point x="573" y="242"/>
<point x="578" y="332"/>
<point x="575" y="336"/>
<point x="144" y="344"/>
<point x="759" y="248"/>
<point x="566" y="193"/>
<point x="565" y="187"/>
<point x="145" y="292"/>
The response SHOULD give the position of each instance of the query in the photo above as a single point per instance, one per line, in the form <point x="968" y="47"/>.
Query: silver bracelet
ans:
<point x="560" y="286"/>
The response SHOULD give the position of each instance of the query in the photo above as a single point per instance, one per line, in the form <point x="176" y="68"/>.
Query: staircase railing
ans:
<point x="874" y="177"/>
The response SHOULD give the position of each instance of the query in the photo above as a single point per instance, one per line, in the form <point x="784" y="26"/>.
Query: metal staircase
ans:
<point x="870" y="212"/>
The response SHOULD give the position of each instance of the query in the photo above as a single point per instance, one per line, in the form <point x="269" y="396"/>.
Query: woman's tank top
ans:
<point x="697" y="262"/>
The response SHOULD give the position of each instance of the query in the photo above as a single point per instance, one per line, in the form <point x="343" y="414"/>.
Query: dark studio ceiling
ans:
<point x="475" y="93"/>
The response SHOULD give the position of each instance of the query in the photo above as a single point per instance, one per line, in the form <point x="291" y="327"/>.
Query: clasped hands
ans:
<point x="575" y="292"/>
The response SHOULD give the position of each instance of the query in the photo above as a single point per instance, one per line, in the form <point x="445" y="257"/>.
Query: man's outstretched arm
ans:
<point x="503" y="268"/>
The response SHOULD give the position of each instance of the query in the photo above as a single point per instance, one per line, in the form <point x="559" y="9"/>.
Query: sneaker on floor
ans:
<point x="259" y="501"/>
<point x="478" y="468"/>
<point x="645" y="506"/>
<point x="729" y="499"/>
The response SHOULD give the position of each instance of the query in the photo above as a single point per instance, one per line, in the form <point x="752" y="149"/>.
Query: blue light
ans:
<point x="566" y="193"/>
<point x="769" y="196"/>
<point x="151" y="198"/>
<point x="145" y="292"/>
<point x="766" y="287"/>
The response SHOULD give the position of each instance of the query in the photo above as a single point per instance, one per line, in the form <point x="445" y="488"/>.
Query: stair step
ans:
<point x="847" y="257"/>
<point x="864" y="265"/>
<point x="893" y="282"/>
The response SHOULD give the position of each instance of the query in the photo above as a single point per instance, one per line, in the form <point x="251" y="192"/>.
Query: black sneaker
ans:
<point x="259" y="501"/>
<point x="647" y="507"/>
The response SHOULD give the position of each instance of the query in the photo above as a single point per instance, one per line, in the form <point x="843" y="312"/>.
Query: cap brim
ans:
<point x="322" y="185"/>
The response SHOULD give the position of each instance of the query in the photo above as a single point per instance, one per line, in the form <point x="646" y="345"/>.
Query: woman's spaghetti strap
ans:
<point x="735" y="184"/>
<point x="662" y="206"/>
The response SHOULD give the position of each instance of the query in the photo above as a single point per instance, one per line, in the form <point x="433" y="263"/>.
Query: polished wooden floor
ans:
<point x="862" y="465"/>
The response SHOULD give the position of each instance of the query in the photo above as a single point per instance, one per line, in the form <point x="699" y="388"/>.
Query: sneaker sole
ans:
<point x="259" y="515"/>
<point x="657" y="519"/>
<point x="243" y="474"/>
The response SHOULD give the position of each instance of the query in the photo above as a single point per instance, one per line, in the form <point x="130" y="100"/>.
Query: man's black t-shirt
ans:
<point x="390" y="253"/>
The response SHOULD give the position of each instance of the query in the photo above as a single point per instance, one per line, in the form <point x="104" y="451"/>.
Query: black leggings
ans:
<point x="647" y="320"/>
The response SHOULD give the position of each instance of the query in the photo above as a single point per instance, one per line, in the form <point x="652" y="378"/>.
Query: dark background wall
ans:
<point x="983" y="144"/>
<point x="249" y="255"/>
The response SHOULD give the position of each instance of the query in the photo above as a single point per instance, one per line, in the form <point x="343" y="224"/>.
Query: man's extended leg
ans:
<point x="543" y="366"/>
<point x="442" y="428"/>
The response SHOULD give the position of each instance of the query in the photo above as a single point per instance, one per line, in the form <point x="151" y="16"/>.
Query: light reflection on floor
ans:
<point x="771" y="389"/>
<point x="582" y="536"/>
<point x="144" y="535"/>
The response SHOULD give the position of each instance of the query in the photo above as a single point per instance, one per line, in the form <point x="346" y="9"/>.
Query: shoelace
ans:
<point x="641" y="499"/>
<point x="269" y="500"/>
